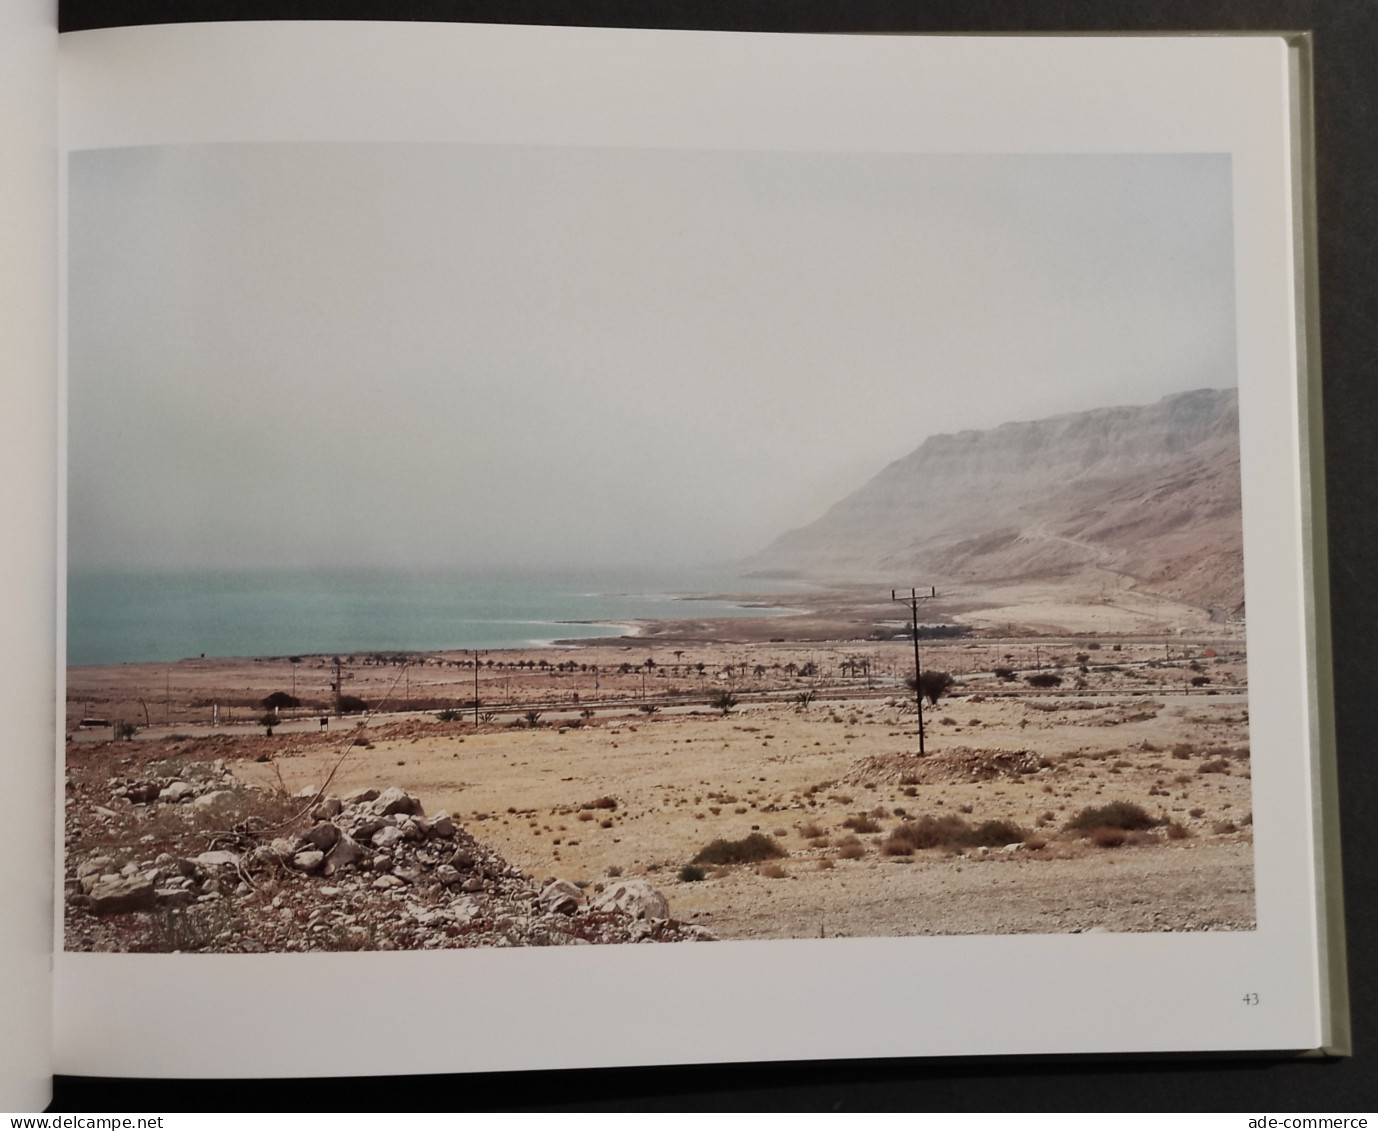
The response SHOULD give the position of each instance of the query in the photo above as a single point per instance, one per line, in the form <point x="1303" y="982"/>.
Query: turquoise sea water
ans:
<point x="160" y="617"/>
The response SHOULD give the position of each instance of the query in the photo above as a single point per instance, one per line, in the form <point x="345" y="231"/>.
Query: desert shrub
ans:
<point x="604" y="802"/>
<point x="448" y="715"/>
<point x="352" y="705"/>
<point x="691" y="874"/>
<point x="811" y="831"/>
<point x="1177" y="831"/>
<point x="1220" y="828"/>
<point x="279" y="700"/>
<point x="749" y="850"/>
<point x="1043" y="679"/>
<point x="1106" y="837"/>
<point x="772" y="871"/>
<point x="1117" y="815"/>
<point x="531" y="718"/>
<point x="861" y="823"/>
<point x="825" y="864"/>
<point x="851" y="848"/>
<point x="1198" y="813"/>
<point x="992" y="834"/>
<point x="1214" y="766"/>
<point x="926" y="831"/>
<point x="1200" y="680"/>
<point x="803" y="699"/>
<point x="1036" y="843"/>
<point x="1006" y="674"/>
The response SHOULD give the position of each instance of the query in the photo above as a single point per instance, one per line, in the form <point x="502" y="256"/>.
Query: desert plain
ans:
<point x="634" y="755"/>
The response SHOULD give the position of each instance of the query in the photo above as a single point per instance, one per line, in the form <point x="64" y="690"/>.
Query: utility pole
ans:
<point x="914" y="598"/>
<point x="338" y="688"/>
<point x="476" y="655"/>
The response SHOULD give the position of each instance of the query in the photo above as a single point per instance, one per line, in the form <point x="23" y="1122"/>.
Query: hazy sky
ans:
<point x="453" y="356"/>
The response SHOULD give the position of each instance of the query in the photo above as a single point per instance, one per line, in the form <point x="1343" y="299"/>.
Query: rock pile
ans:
<point x="953" y="766"/>
<point x="368" y="871"/>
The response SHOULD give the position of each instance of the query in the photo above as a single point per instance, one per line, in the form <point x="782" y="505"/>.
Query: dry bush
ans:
<point x="1197" y="813"/>
<point x="811" y="831"/>
<point x="1214" y="766"/>
<point x="772" y="871"/>
<point x="748" y="850"/>
<point x="861" y="823"/>
<point x="850" y="848"/>
<point x="1183" y="750"/>
<point x="586" y="815"/>
<point x="601" y="803"/>
<point x="1177" y="831"/>
<point x="1221" y="828"/>
<point x="1035" y="843"/>
<point x="825" y="864"/>
<point x="926" y="831"/>
<point x="1117" y="815"/>
<point x="691" y="874"/>
<point x="1108" y="837"/>
<point x="992" y="834"/>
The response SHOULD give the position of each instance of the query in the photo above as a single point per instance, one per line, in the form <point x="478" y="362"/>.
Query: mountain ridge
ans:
<point x="1147" y="492"/>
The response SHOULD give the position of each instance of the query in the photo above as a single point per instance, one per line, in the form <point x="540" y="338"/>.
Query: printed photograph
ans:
<point x="479" y="546"/>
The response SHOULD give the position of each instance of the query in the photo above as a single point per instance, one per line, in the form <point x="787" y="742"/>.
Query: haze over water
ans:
<point x="151" y="617"/>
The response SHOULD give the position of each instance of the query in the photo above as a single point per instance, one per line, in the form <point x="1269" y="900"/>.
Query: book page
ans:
<point x="407" y="299"/>
<point x="28" y="336"/>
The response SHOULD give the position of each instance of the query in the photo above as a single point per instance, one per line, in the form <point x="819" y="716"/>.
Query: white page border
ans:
<point x="28" y="513"/>
<point x="573" y="1007"/>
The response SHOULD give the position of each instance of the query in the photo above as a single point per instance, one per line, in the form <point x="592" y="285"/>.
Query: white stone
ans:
<point x="386" y="837"/>
<point x="176" y="791"/>
<point x="309" y="860"/>
<point x="215" y="797"/>
<point x="635" y="897"/>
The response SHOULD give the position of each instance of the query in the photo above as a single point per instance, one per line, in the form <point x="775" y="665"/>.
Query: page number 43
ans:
<point x="1251" y="999"/>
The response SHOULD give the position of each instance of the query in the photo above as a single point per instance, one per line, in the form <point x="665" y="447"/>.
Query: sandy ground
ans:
<point x="681" y="781"/>
<point x="1158" y="718"/>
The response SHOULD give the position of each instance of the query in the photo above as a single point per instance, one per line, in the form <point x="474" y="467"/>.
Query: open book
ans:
<point x="746" y="523"/>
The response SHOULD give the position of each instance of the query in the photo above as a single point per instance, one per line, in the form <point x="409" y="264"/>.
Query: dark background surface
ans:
<point x="1346" y="88"/>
